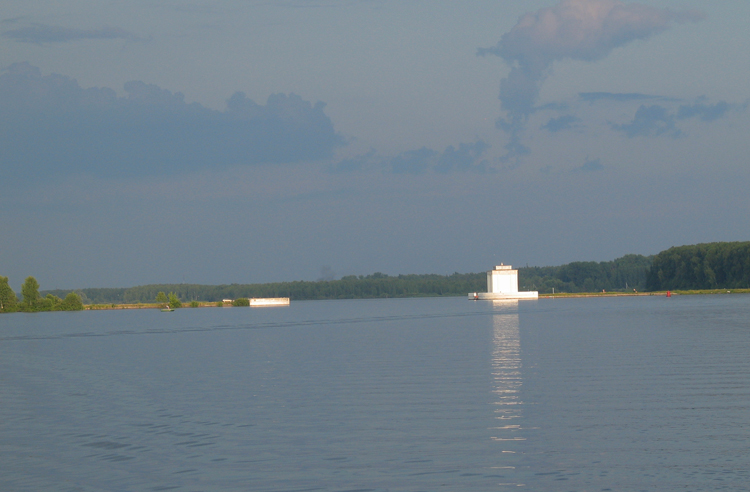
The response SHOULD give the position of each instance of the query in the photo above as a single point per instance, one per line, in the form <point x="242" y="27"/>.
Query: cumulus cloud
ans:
<point x="656" y="120"/>
<point x="586" y="30"/>
<point x="706" y="112"/>
<point x="564" y="122"/>
<point x="650" y="121"/>
<point x="624" y="97"/>
<point x="49" y="125"/>
<point x="468" y="157"/>
<point x="42" y="33"/>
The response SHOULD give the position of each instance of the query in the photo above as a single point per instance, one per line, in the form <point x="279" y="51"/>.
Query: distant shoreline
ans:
<point x="564" y="295"/>
<point x="661" y="293"/>
<point x="152" y="305"/>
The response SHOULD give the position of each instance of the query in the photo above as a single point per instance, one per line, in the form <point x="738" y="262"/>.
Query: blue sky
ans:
<point x="255" y="141"/>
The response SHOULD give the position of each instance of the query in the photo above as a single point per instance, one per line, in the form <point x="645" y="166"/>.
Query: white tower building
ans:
<point x="502" y="283"/>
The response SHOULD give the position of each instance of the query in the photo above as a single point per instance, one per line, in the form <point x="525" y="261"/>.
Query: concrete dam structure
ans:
<point x="502" y="283"/>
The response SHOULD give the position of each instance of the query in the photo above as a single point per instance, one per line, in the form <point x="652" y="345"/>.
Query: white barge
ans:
<point x="269" y="301"/>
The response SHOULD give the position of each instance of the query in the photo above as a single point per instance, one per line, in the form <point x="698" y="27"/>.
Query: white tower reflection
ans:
<point x="506" y="374"/>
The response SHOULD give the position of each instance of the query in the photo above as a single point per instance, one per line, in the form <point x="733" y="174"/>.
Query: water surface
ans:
<point x="401" y="395"/>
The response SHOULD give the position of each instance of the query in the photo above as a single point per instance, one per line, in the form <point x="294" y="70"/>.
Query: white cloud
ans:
<point x="586" y="30"/>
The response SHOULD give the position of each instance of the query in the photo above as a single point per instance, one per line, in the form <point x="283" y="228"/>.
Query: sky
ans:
<point x="248" y="141"/>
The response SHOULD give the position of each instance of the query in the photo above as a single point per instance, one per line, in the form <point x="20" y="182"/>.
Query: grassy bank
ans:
<point x="146" y="305"/>
<point x="642" y="294"/>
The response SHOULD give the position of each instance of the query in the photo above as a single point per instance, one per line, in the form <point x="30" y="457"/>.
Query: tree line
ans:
<point x="701" y="266"/>
<point x="626" y="273"/>
<point x="723" y="265"/>
<point x="349" y="287"/>
<point x="32" y="301"/>
<point x="623" y="274"/>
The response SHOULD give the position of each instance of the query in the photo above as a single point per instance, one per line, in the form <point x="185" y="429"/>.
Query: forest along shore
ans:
<point x="564" y="295"/>
<point x="711" y="268"/>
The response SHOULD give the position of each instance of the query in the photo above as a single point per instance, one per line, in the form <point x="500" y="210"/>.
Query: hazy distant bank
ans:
<point x="699" y="268"/>
<point x="620" y="275"/>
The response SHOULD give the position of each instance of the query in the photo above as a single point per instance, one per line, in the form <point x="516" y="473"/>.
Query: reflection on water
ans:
<point x="506" y="376"/>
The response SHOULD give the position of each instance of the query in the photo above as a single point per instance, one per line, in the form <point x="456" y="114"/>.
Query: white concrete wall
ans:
<point x="503" y="281"/>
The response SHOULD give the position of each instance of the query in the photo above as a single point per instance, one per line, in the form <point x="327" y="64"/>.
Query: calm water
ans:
<point x="597" y="394"/>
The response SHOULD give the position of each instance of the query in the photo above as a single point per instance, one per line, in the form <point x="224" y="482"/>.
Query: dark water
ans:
<point x="401" y="395"/>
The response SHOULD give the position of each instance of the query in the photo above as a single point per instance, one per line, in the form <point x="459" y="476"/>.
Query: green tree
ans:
<point x="30" y="293"/>
<point x="174" y="301"/>
<point x="161" y="298"/>
<point x="48" y="303"/>
<point x="724" y="265"/>
<point x="72" y="302"/>
<point x="8" y="299"/>
<point x="242" y="301"/>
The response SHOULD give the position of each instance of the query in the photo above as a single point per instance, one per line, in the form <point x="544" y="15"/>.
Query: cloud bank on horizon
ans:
<point x="50" y="126"/>
<point x="585" y="30"/>
<point x="41" y="33"/>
